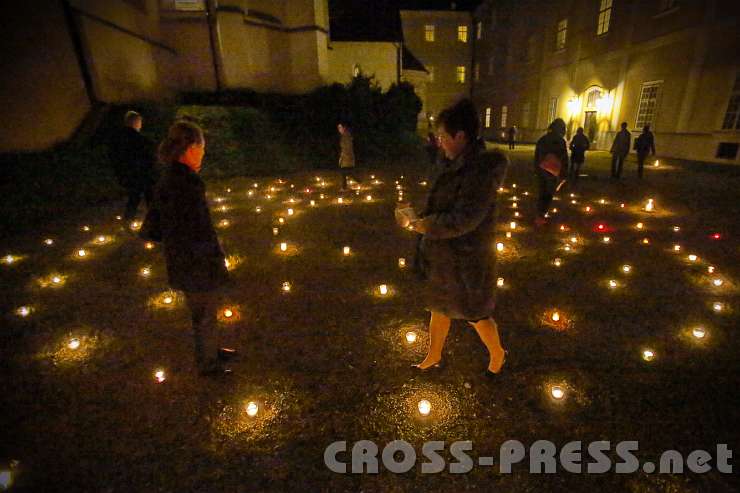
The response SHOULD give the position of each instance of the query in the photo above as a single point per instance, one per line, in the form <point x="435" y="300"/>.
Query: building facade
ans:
<point x="442" y="40"/>
<point x="670" y="64"/>
<point x="63" y="58"/>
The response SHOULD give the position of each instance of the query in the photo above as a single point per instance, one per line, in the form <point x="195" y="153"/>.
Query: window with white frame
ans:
<point x="562" y="34"/>
<point x="489" y="110"/>
<point x="525" y="115"/>
<point x="429" y="33"/>
<point x="552" y="109"/>
<point x="430" y="69"/>
<point x="461" y="74"/>
<point x="479" y="30"/>
<point x="648" y="106"/>
<point x="504" y="115"/>
<point x="605" y="16"/>
<point x="490" y="66"/>
<point x="462" y="33"/>
<point x="732" y="115"/>
<point x="477" y="71"/>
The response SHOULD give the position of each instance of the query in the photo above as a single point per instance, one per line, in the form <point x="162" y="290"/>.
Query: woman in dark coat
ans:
<point x="180" y="219"/>
<point x="456" y="255"/>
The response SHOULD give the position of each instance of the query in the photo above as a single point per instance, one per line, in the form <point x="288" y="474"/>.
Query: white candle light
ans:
<point x="612" y="283"/>
<point x="286" y="286"/>
<point x="401" y="262"/>
<point x="228" y="313"/>
<point x="81" y="253"/>
<point x="717" y="306"/>
<point x="557" y="392"/>
<point x="717" y="282"/>
<point x="500" y="282"/>
<point x="48" y="242"/>
<point x="650" y="206"/>
<point x="283" y="247"/>
<point x="383" y="289"/>
<point x="252" y="409"/>
<point x="167" y="300"/>
<point x="313" y="203"/>
<point x="159" y="376"/>
<point x="512" y="225"/>
<point x="73" y="343"/>
<point x="626" y="268"/>
<point x="648" y="354"/>
<point x="710" y="269"/>
<point x="145" y="272"/>
<point x="676" y="248"/>
<point x="411" y="337"/>
<point x="555" y="316"/>
<point x="606" y="239"/>
<point x="290" y="212"/>
<point x="499" y="247"/>
<point x="281" y="220"/>
<point x="640" y="225"/>
<point x="692" y="258"/>
<point x="425" y="407"/>
<point x="676" y="229"/>
<point x="149" y="245"/>
<point x="346" y="250"/>
<point x="275" y="231"/>
<point x="23" y="311"/>
<point x="557" y="262"/>
<point x="699" y="332"/>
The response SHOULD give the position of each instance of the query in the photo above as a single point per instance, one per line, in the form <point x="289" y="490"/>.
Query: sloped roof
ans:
<point x="410" y="62"/>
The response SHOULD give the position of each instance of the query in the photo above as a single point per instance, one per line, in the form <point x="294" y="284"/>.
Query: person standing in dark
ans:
<point x="620" y="149"/>
<point x="346" y="153"/>
<point x="133" y="157"/>
<point x="551" y="166"/>
<point x="512" y="136"/>
<point x="644" y="144"/>
<point x="454" y="257"/>
<point x="180" y="219"/>
<point x="579" y="144"/>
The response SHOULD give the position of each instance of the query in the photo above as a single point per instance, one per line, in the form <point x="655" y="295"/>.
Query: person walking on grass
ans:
<point x="644" y="144"/>
<point x="454" y="257"/>
<point x="512" y="137"/>
<point x="579" y="144"/>
<point x="550" y="166"/>
<point x="620" y="149"/>
<point x="346" y="153"/>
<point x="133" y="158"/>
<point x="180" y="219"/>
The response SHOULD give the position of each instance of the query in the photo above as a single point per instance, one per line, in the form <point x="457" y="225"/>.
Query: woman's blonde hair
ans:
<point x="181" y="135"/>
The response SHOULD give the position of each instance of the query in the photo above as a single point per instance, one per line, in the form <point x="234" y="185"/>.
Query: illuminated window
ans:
<point x="190" y="5"/>
<point x="605" y="15"/>
<point x="429" y="32"/>
<point x="462" y="33"/>
<point x="430" y="69"/>
<point x="562" y="34"/>
<point x="648" y="106"/>
<point x="490" y="66"/>
<point x="732" y="115"/>
<point x="477" y="71"/>
<point x="525" y="114"/>
<point x="489" y="110"/>
<point x="504" y="115"/>
<point x="479" y="30"/>
<point x="461" y="74"/>
<point x="552" y="109"/>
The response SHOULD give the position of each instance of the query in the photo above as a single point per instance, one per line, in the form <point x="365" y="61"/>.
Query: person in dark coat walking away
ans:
<point x="180" y="219"/>
<point x="133" y="157"/>
<point x="512" y="136"/>
<point x="620" y="149"/>
<point x="455" y="257"/>
<point x="346" y="153"/>
<point x="644" y="144"/>
<point x="551" y="166"/>
<point x="579" y="144"/>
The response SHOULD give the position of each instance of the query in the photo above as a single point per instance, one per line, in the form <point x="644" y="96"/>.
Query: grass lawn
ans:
<point x="329" y="360"/>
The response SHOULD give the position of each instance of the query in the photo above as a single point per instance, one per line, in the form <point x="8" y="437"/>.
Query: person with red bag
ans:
<point x="551" y="166"/>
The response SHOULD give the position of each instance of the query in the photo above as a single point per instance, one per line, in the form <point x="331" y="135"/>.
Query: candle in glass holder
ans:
<point x="286" y="286"/>
<point x="252" y="409"/>
<point x="159" y="376"/>
<point x="401" y="262"/>
<point x="557" y="392"/>
<point x="425" y="407"/>
<point x="699" y="332"/>
<point x="283" y="247"/>
<point x="383" y="289"/>
<point x="411" y="337"/>
<point x="648" y="354"/>
<point x="346" y="250"/>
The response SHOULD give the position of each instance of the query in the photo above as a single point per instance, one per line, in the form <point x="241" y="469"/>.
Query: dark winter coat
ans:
<point x="133" y="157"/>
<point x="456" y="257"/>
<point x="179" y="218"/>
<point x="551" y="143"/>
<point x="645" y="143"/>
<point x="621" y="144"/>
<point x="579" y="144"/>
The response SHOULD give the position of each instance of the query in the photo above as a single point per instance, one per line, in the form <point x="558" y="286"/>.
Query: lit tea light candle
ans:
<point x="73" y="343"/>
<point x="9" y="259"/>
<point x="555" y="211"/>
<point x="219" y="200"/>
<point x="48" y="242"/>
<point x="313" y="203"/>
<point x="557" y="262"/>
<point x="645" y="241"/>
<point x="606" y="239"/>
<point x="372" y="177"/>
<point x="676" y="229"/>
<point x="383" y="289"/>
<point x="574" y="239"/>
<point x="717" y="282"/>
<point x="228" y="313"/>
<point x="567" y="248"/>
<point x="369" y="198"/>
<point x="513" y="185"/>
<point x="557" y="392"/>
<point x="512" y="225"/>
<point x="224" y="223"/>
<point x="656" y="163"/>
<point x="250" y="193"/>
<point x="626" y="268"/>
<point x="275" y="231"/>
<point x="562" y="227"/>
<point x="281" y="220"/>
<point x="23" y="311"/>
<point x="640" y="225"/>
<point x="601" y="227"/>
<point x="118" y="218"/>
<point x="621" y="206"/>
<point x="508" y="234"/>
<point x="149" y="245"/>
<point x="268" y="197"/>
<point x="346" y="250"/>
<point x="167" y="300"/>
<point x="258" y="209"/>
<point x="514" y="205"/>
<point x="135" y="225"/>
<point x="56" y="280"/>
<point x="500" y="282"/>
<point x="650" y="206"/>
<point x="648" y="354"/>
<point x="425" y="407"/>
<point x="612" y="284"/>
<point x="81" y="253"/>
<point x="676" y="248"/>
<point x="228" y="190"/>
<point x="145" y="272"/>
<point x="411" y="337"/>
<point x="588" y="208"/>
<point x="514" y="198"/>
<point x="252" y="409"/>
<point x="574" y="202"/>
<point x="283" y="247"/>
<point x="101" y="239"/>
<point x="711" y="269"/>
<point x="602" y="201"/>
<point x="717" y="306"/>
<point x="290" y="212"/>
<point x="286" y="286"/>
<point x="291" y="200"/>
<point x="340" y="200"/>
<point x="516" y="214"/>
<point x="555" y="316"/>
<point x="255" y="185"/>
<point x="692" y="258"/>
<point x="160" y="376"/>
<point x="87" y="228"/>
<point x="526" y="193"/>
<point x="499" y="247"/>
<point x="401" y="262"/>
<point x="699" y="332"/>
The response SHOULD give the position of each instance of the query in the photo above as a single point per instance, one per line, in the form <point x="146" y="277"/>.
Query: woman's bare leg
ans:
<point x="488" y="333"/>
<point x="439" y="327"/>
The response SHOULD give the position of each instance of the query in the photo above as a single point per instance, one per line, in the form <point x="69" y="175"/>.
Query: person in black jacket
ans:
<point x="455" y="257"/>
<point x="133" y="157"/>
<point x="579" y="144"/>
<point x="550" y="150"/>
<point x="644" y="144"/>
<point x="180" y="219"/>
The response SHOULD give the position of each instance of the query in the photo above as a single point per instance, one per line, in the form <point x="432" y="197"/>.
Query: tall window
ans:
<point x="732" y="115"/>
<point x="461" y="74"/>
<point x="430" y="69"/>
<point x="479" y="30"/>
<point x="525" y="115"/>
<point x="552" y="109"/>
<point x="605" y="15"/>
<point x="489" y="110"/>
<point x="648" y="106"/>
<point x="504" y="115"/>
<point x="490" y="66"/>
<point x="562" y="34"/>
<point x="477" y="71"/>
<point x="462" y="33"/>
<point x="429" y="33"/>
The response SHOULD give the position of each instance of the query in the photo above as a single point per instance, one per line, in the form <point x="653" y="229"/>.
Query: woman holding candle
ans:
<point x="180" y="219"/>
<point x="455" y="255"/>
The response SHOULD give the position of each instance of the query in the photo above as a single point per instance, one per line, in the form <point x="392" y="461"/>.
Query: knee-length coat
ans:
<point x="456" y="256"/>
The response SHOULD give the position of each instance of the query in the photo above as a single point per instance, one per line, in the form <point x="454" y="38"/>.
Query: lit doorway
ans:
<point x="590" y="125"/>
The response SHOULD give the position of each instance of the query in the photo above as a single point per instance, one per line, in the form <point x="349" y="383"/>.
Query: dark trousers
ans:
<point x="617" y="164"/>
<point x="575" y="169"/>
<point x="547" y="184"/>
<point x="134" y="199"/>
<point x="640" y="163"/>
<point x="203" y="307"/>
<point x="511" y="144"/>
